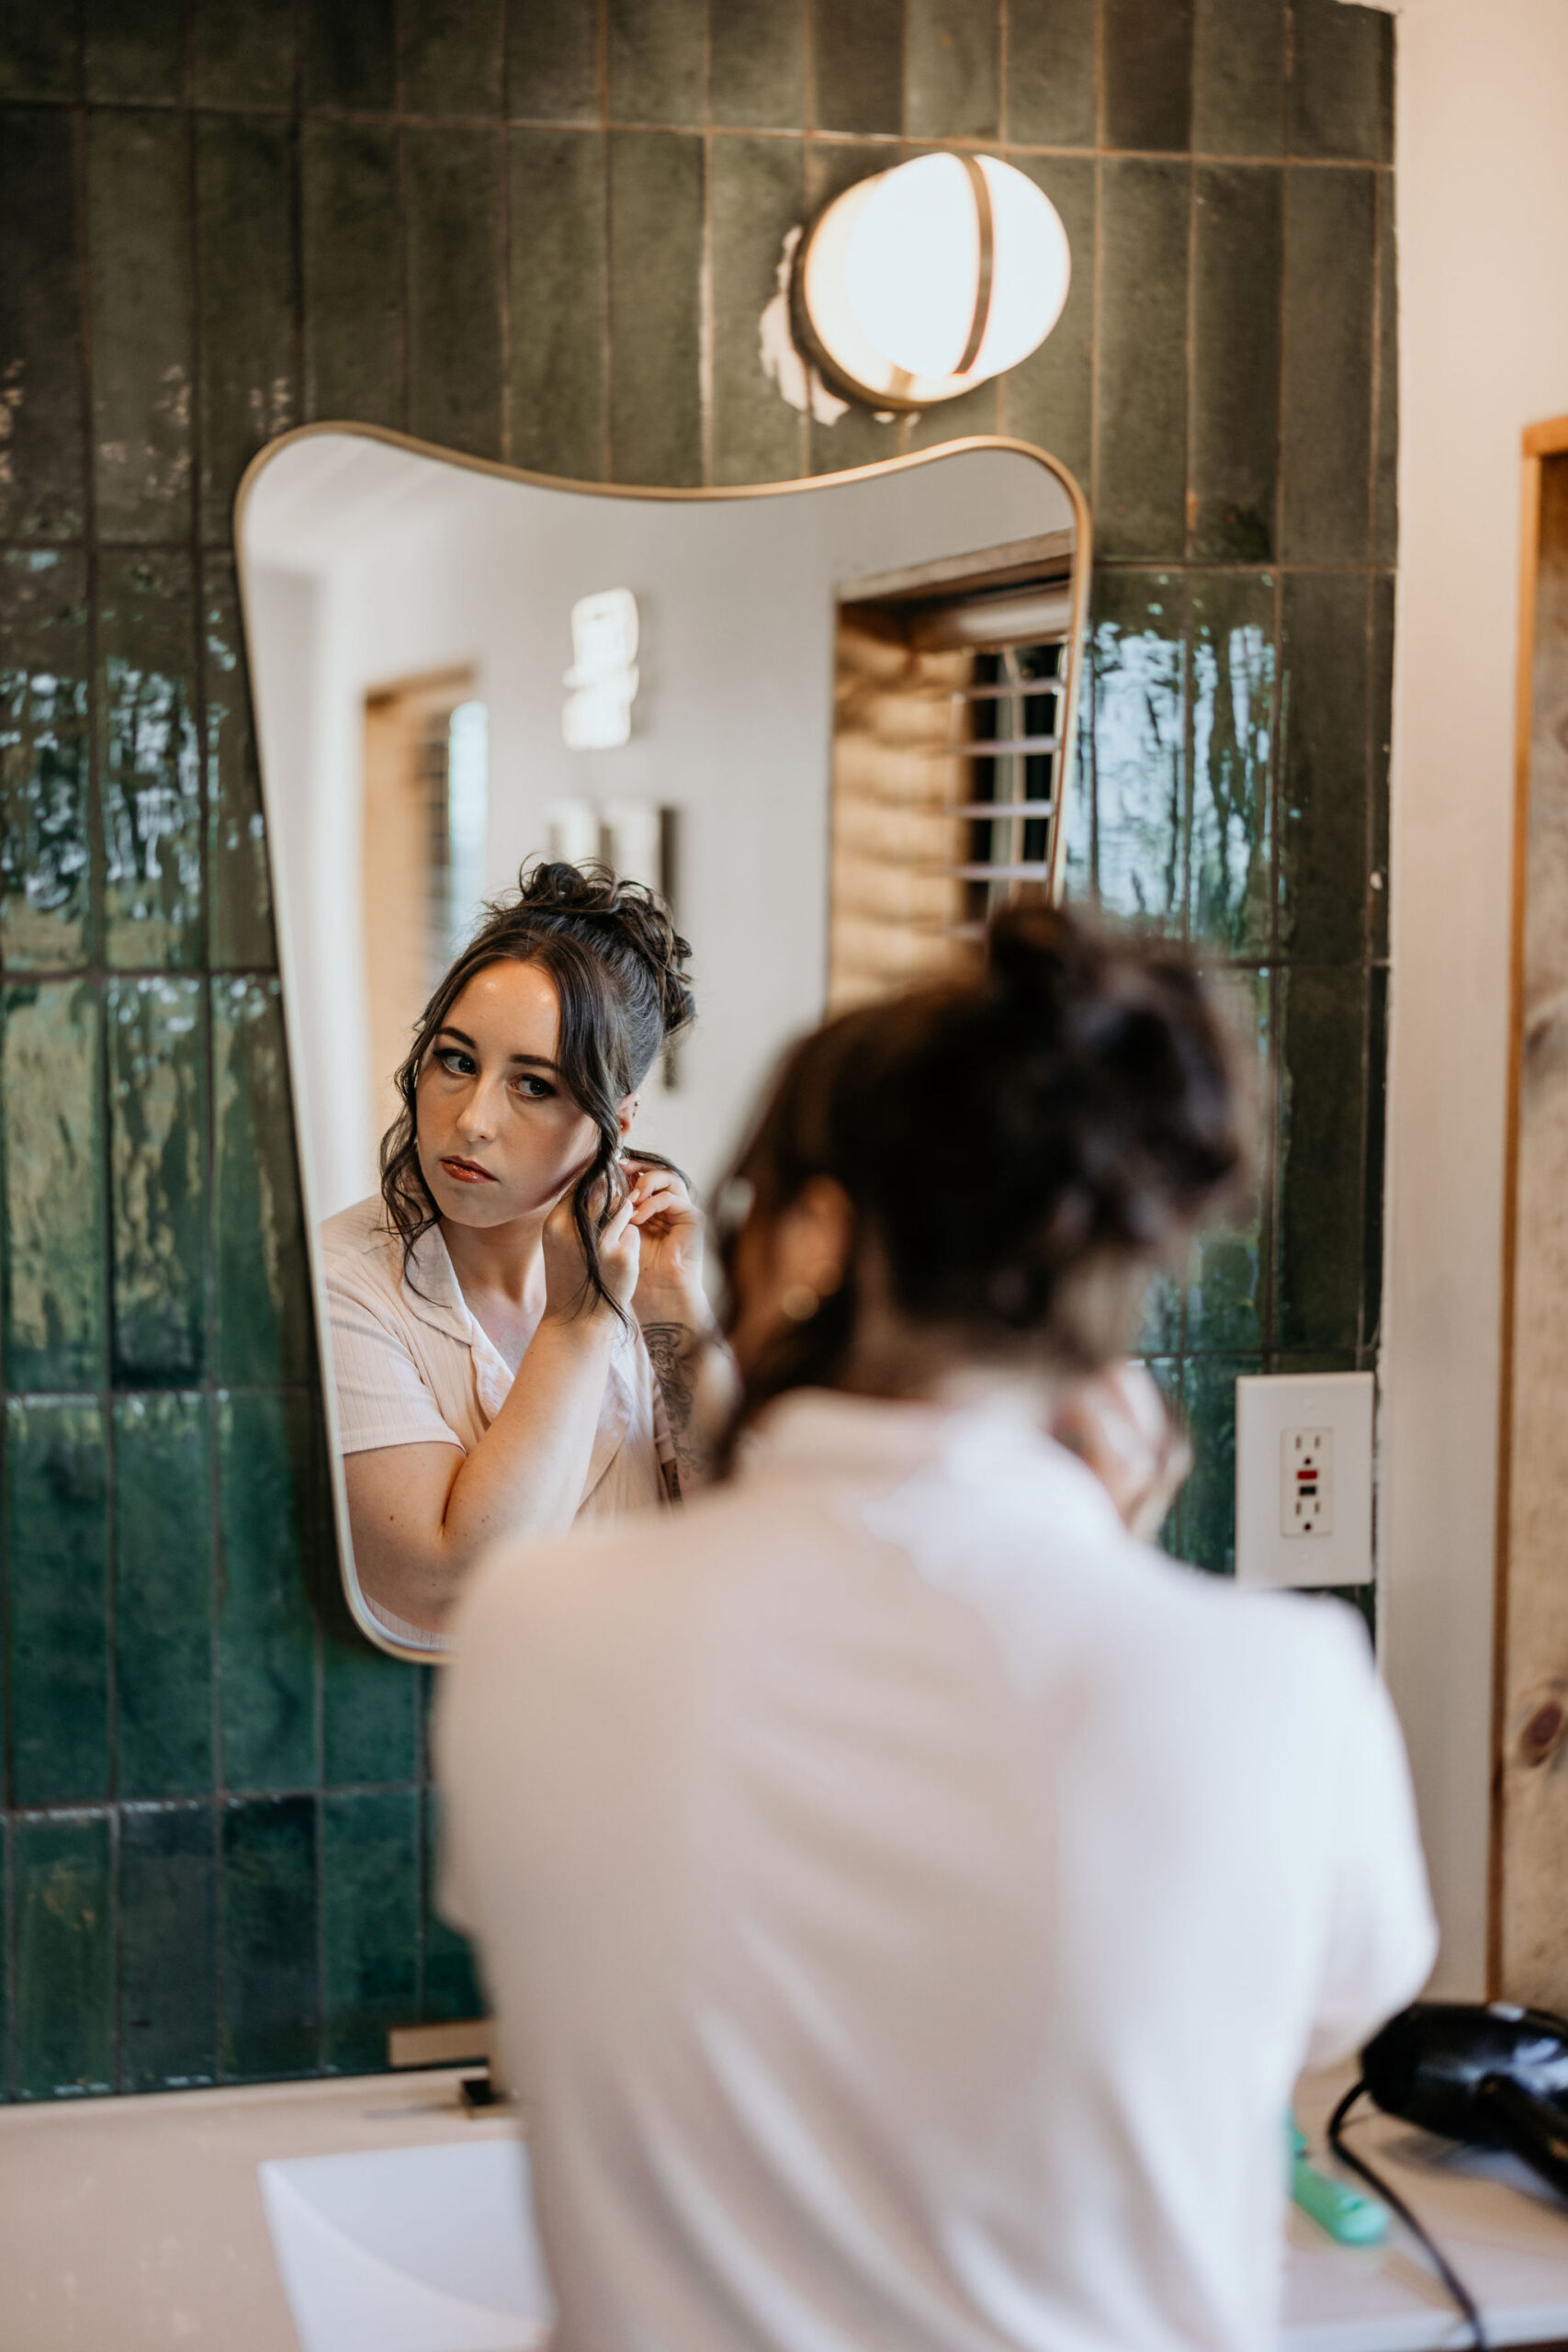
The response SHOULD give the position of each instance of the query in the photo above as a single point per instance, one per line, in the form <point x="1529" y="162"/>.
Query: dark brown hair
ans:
<point x="617" y="961"/>
<point x="1021" y="1145"/>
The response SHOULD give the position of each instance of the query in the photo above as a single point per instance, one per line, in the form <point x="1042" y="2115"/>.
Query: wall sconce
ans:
<point x="602" y="680"/>
<point x="917" y="284"/>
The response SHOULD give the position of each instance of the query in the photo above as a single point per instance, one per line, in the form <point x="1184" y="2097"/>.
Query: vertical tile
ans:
<point x="1385" y="433"/>
<point x="757" y="65"/>
<point x="1208" y="1506"/>
<point x="1341" y="92"/>
<point x="163" y="1569"/>
<point x="239" y="886"/>
<point x="1050" y="75"/>
<point x="263" y="1283"/>
<point x="1233" y="722"/>
<point x="1323" y="822"/>
<point x="148" y="761"/>
<point x="141" y="296"/>
<point x="1049" y="397"/>
<point x="953" y="69"/>
<point x="552" y="61"/>
<point x="157" y="1075"/>
<point x="244" y="177"/>
<point x="370" y="1713"/>
<point x="1325" y="452"/>
<point x="451" y="57"/>
<point x="451" y="1977"/>
<point x="353" y="272"/>
<point x="1379" y="877"/>
<point x="1319" y="1222"/>
<point x="1237" y="264"/>
<point x="43" y="415"/>
<point x="974" y="412"/>
<point x="57" y="1570"/>
<point x="41" y="50"/>
<point x="63" y="1999"/>
<point x="561" y="303"/>
<point x="1165" y="1372"/>
<point x="758" y="195"/>
<point x="656" y="212"/>
<point x="348" y="54"/>
<point x="269" y="1923"/>
<point x="1160" y="1331"/>
<point x="857" y="65"/>
<point x="370" y="1924"/>
<point x="1146" y="67"/>
<point x="242" y="52"/>
<point x="1137" y="853"/>
<point x="168" y="1948"/>
<point x="1238" y="77"/>
<point x="1375" y="1165"/>
<point x="269" y="1503"/>
<point x="453" y="191"/>
<point x="135" y="49"/>
<point x="858" y="438"/>
<point x="1141" y="459"/>
<point x="658" y="60"/>
<point x="1227" y="1280"/>
<point x="45" y="854"/>
<point x="50" y="1081"/>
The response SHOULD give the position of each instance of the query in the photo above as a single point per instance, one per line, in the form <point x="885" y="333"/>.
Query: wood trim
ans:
<point x="1538" y="440"/>
<point x="1051" y="553"/>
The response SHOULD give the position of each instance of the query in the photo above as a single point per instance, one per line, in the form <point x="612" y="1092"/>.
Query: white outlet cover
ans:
<point x="1266" y="1407"/>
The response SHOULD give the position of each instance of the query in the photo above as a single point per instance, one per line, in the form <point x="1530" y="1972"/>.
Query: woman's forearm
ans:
<point x="525" y="1476"/>
<point x="697" y="1374"/>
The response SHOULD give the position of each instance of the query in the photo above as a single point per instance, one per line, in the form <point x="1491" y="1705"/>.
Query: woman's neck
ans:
<point x="499" y="1261"/>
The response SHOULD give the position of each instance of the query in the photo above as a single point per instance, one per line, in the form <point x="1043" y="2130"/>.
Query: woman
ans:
<point x="908" y="1899"/>
<point x="519" y="1329"/>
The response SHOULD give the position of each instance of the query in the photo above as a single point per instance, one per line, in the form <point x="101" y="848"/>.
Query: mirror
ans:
<point x="826" y="719"/>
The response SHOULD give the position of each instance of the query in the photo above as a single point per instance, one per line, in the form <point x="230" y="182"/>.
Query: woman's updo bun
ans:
<point x="1021" y="1145"/>
<point x="618" y="964"/>
<point x="623" y="919"/>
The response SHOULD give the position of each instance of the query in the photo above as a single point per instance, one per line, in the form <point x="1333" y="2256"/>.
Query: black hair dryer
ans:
<point x="1482" y="2072"/>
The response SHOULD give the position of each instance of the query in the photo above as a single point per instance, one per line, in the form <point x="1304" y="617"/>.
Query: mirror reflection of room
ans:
<point x="824" y="791"/>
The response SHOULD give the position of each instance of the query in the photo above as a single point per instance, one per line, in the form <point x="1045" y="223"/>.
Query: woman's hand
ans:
<point x="671" y="1228"/>
<point x="1119" y="1424"/>
<point x="567" y="1291"/>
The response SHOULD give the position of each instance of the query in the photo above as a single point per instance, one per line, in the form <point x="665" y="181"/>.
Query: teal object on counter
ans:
<point x="1348" y="2216"/>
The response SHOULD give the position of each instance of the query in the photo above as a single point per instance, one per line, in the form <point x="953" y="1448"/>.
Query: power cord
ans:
<point x="1445" y="2270"/>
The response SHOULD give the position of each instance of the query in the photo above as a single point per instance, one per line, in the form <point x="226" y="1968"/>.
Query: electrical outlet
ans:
<point x="1307" y="1483"/>
<point x="1303" y="1478"/>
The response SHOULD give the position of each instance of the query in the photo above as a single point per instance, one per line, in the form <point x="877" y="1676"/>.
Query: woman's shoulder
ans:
<point x="359" y="1248"/>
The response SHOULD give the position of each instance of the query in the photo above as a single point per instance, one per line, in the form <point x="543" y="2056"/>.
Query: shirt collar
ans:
<point x="430" y="1290"/>
<point x="998" y="1439"/>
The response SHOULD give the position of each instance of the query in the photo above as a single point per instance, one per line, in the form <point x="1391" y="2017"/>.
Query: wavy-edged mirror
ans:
<point x="831" y="719"/>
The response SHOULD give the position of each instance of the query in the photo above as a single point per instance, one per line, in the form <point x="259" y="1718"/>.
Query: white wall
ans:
<point x="1483" y="198"/>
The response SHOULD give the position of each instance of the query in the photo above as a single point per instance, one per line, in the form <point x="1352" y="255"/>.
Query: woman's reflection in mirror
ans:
<point x="520" y="1333"/>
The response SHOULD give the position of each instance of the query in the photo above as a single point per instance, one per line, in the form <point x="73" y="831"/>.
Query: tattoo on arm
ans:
<point x="676" y="1353"/>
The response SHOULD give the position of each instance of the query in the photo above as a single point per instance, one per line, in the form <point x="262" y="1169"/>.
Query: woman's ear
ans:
<point x="816" y="1234"/>
<point x="626" y="1113"/>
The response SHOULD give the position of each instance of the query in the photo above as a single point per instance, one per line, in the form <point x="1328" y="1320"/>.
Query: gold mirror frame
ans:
<point x="1082" y="565"/>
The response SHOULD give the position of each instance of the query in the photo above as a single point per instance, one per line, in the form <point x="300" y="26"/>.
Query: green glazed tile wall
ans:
<point x="544" y="230"/>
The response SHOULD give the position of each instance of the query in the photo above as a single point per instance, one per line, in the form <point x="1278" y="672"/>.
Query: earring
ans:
<point x="800" y="1303"/>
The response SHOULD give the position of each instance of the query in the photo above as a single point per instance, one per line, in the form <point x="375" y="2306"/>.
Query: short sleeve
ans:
<point x="1382" y="1937"/>
<point x="382" y="1398"/>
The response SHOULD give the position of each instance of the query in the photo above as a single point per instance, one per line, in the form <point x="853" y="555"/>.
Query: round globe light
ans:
<point x="924" y="280"/>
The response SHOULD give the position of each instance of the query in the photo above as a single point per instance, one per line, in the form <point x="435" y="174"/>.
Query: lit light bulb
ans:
<point x="924" y="280"/>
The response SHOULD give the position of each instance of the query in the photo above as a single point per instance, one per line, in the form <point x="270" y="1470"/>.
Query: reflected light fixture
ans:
<point x="917" y="284"/>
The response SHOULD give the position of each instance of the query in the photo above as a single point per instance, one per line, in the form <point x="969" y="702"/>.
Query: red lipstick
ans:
<point x="469" y="1171"/>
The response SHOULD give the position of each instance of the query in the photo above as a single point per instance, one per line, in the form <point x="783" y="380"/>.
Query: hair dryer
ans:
<point x="1487" y="2073"/>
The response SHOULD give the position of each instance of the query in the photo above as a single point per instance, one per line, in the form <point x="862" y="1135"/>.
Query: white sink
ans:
<point x="424" y="2249"/>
